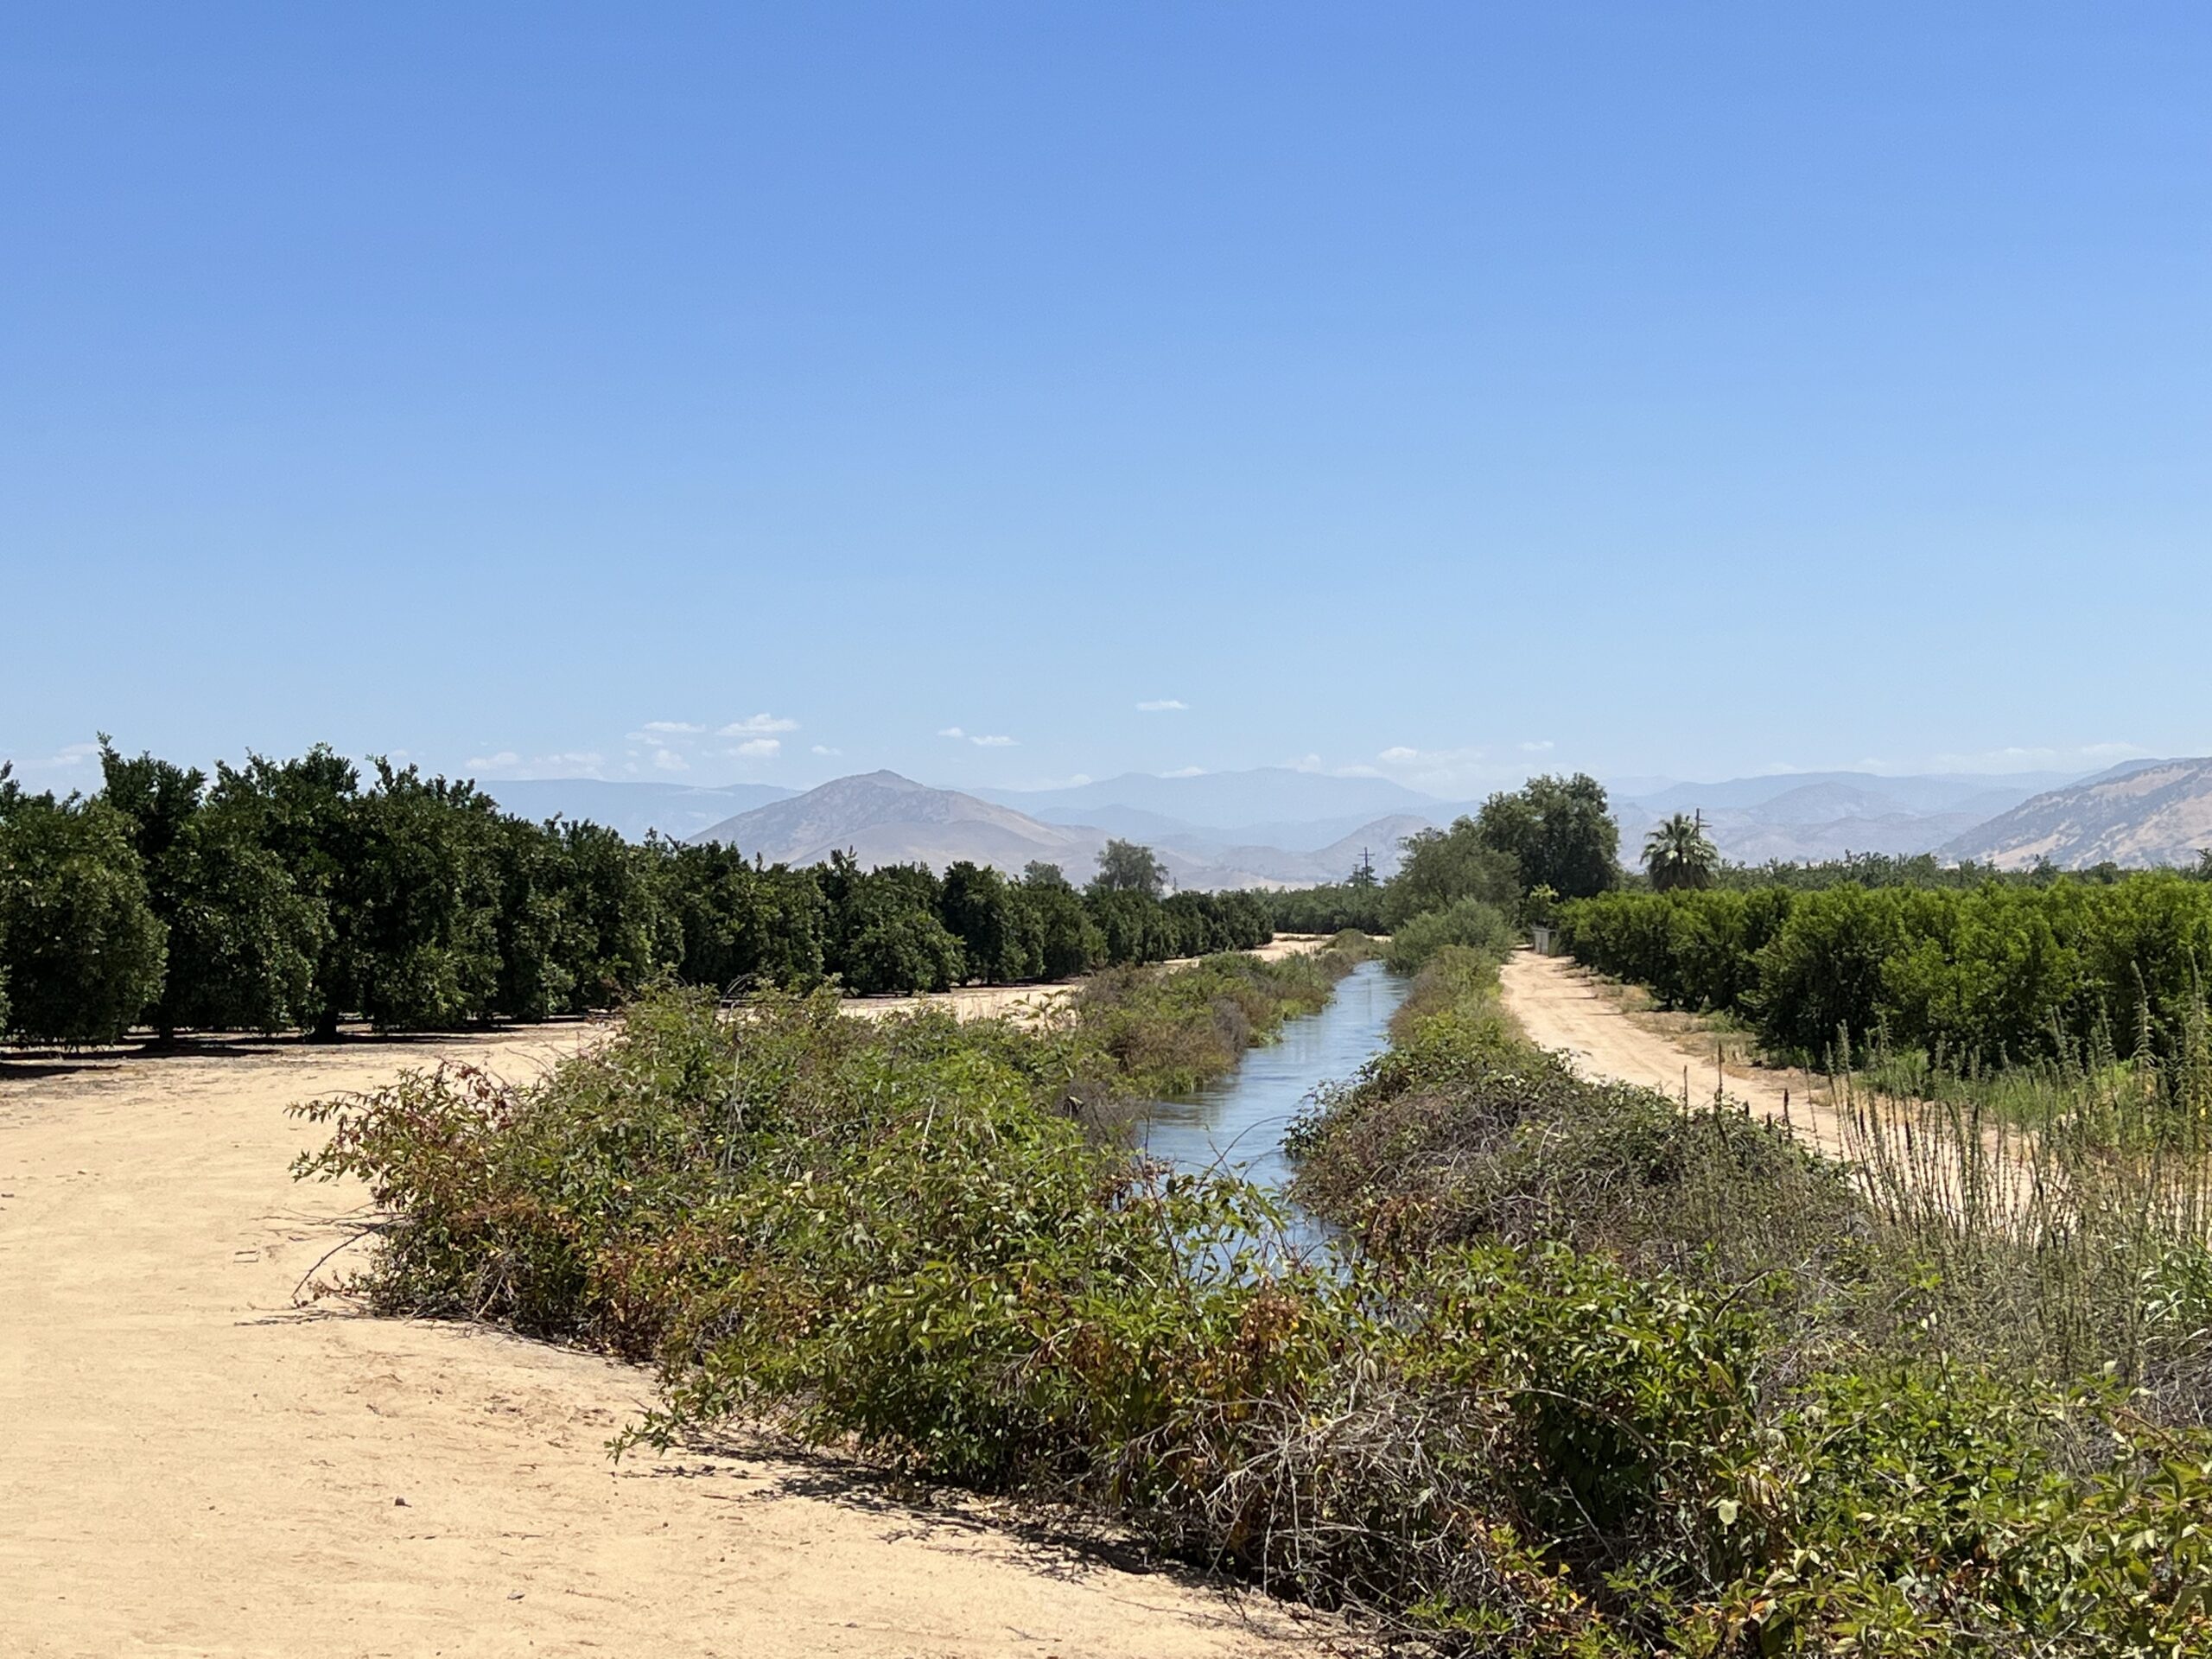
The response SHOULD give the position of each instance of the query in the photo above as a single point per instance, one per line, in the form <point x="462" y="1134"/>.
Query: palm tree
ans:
<point x="1679" y="854"/>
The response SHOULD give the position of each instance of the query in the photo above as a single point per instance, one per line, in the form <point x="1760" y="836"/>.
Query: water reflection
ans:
<point x="1238" y="1122"/>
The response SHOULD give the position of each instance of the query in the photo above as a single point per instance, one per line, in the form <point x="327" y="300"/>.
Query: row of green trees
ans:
<point x="1999" y="971"/>
<point x="294" y="894"/>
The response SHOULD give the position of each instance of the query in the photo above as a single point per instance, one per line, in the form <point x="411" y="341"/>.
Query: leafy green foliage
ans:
<point x="1773" y="1407"/>
<point x="241" y="937"/>
<point x="1443" y="868"/>
<point x="1559" y="830"/>
<point x="1068" y="940"/>
<point x="295" y="895"/>
<point x="738" y="926"/>
<point x="1679" y="854"/>
<point x="81" y="949"/>
<point x="1125" y="867"/>
<point x="2001" y="972"/>
<point x="1469" y="923"/>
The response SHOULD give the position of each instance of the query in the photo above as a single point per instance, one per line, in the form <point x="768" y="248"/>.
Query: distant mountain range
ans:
<point x="1224" y="800"/>
<point x="2144" y="812"/>
<point x="1807" y="816"/>
<point x="1274" y="826"/>
<point x="883" y="818"/>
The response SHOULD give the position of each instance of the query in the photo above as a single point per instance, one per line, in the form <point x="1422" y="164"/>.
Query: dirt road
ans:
<point x="1561" y="1006"/>
<point x="191" y="1465"/>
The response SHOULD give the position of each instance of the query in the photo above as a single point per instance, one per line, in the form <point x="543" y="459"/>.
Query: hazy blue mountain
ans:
<point x="1803" y="817"/>
<point x="1919" y="793"/>
<point x="2144" y="812"/>
<point x="883" y="818"/>
<point x="1227" y="800"/>
<point x="1128" y="822"/>
<point x="678" y="810"/>
<point x="1332" y="862"/>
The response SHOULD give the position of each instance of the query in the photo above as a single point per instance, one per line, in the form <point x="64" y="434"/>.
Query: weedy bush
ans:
<point x="1471" y="924"/>
<point x="1962" y="1354"/>
<point x="1569" y="1405"/>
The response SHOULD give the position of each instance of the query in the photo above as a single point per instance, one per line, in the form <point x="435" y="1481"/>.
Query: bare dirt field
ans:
<point x="1562" y="1005"/>
<point x="192" y="1464"/>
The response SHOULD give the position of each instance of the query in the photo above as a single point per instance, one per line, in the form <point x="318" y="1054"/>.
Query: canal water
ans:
<point x="1237" y="1124"/>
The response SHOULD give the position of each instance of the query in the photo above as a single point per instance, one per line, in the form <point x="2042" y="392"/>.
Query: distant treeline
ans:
<point x="1903" y="870"/>
<point x="290" y="895"/>
<point x="2002" y="971"/>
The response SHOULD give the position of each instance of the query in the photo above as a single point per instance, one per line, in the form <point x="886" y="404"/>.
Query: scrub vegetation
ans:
<point x="1591" y="1376"/>
<point x="1584" y="1373"/>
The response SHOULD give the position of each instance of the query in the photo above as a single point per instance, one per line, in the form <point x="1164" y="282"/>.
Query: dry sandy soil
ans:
<point x="1561" y="1005"/>
<point x="192" y="1464"/>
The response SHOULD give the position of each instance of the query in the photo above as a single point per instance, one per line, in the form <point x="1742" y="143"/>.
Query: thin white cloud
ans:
<point x="1162" y="706"/>
<point x="674" y="727"/>
<point x="1185" y="771"/>
<point x="1539" y="746"/>
<point x="562" y="763"/>
<point x="951" y="731"/>
<point x="824" y="748"/>
<point x="1442" y="771"/>
<point x="993" y="742"/>
<point x="760" y="748"/>
<point x="669" y="760"/>
<point x="755" y="725"/>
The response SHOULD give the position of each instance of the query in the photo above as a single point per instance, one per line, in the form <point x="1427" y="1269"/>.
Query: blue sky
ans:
<point x="760" y="393"/>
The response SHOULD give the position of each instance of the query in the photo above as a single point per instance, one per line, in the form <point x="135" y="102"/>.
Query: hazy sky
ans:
<point x="763" y="392"/>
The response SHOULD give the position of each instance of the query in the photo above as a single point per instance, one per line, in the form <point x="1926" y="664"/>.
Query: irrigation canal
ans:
<point x="1238" y="1122"/>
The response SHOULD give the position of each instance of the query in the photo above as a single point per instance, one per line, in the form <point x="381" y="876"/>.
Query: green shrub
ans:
<point x="1471" y="924"/>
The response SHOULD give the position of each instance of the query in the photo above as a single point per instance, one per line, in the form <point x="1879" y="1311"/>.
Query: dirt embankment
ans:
<point x="191" y="1464"/>
<point x="1561" y="1005"/>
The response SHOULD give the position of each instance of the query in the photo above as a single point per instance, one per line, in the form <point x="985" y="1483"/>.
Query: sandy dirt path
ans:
<point x="190" y="1465"/>
<point x="1561" y="1005"/>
